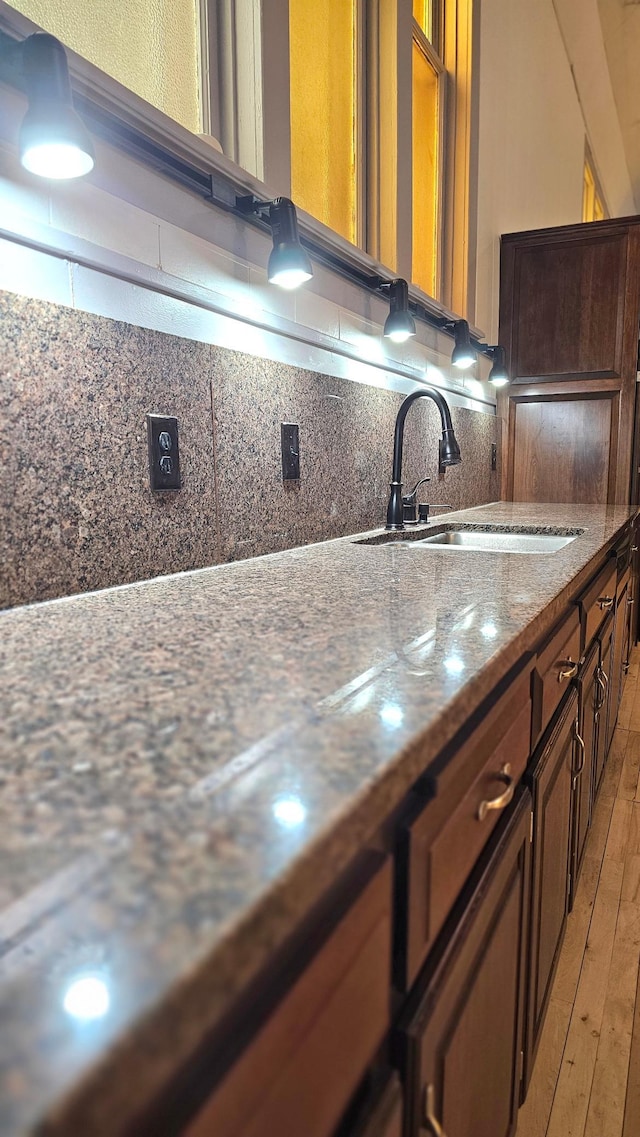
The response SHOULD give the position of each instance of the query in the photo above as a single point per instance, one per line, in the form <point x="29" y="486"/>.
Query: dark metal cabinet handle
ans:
<point x="504" y="798"/>
<point x="569" y="672"/>
<point x="430" y="1119"/>
<point x="602" y="688"/>
<point x="583" y="753"/>
<point x="605" y="602"/>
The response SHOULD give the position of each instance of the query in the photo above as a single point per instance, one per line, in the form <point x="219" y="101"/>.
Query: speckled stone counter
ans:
<point x="186" y="765"/>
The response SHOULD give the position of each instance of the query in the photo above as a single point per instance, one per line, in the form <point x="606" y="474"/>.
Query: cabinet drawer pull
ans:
<point x="504" y="798"/>
<point x="430" y="1119"/>
<point x="605" y="602"/>
<point x="629" y="600"/>
<point x="602" y="689"/>
<point x="567" y="672"/>
<point x="583" y="752"/>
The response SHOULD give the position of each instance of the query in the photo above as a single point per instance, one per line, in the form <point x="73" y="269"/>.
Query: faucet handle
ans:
<point x="410" y="498"/>
<point x="409" y="507"/>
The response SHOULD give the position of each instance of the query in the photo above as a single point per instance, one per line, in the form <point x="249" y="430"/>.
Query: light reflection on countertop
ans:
<point x="173" y="804"/>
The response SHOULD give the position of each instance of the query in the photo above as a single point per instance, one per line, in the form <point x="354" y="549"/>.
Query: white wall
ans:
<point x="544" y="89"/>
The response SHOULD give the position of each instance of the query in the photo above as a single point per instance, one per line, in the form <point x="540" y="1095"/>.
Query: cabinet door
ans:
<point x="589" y="698"/>
<point x="620" y="626"/>
<point x="462" y="1041"/>
<point x="569" y="303"/>
<point x="635" y="575"/>
<point x="563" y="298"/>
<point x="628" y="624"/>
<point x="551" y="781"/>
<point x="603" y="678"/>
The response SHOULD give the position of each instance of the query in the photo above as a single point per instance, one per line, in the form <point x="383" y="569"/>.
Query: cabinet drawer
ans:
<point x="556" y="665"/>
<point x="301" y="1069"/>
<point x="597" y="601"/>
<point x="442" y="844"/>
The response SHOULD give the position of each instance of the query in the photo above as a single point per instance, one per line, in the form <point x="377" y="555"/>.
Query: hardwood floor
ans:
<point x="586" y="1081"/>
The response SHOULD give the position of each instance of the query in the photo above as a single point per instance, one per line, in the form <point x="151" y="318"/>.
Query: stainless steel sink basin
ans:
<point x="489" y="539"/>
<point x="488" y="542"/>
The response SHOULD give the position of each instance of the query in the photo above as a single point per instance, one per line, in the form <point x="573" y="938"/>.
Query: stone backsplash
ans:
<point x="76" y="511"/>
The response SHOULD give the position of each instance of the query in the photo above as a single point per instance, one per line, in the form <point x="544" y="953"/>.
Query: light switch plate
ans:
<point x="164" y="455"/>
<point x="290" y="444"/>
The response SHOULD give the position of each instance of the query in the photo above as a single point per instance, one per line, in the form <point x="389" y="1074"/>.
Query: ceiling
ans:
<point x="620" y="21"/>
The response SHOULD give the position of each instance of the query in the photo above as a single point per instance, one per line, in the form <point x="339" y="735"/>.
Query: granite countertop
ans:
<point x="187" y="763"/>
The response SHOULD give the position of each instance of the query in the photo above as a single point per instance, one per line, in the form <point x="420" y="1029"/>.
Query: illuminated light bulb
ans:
<point x="56" y="160"/>
<point x="289" y="278"/>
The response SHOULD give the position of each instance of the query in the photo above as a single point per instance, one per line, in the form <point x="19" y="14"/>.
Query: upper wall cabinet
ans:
<point x="569" y="312"/>
<point x="567" y="304"/>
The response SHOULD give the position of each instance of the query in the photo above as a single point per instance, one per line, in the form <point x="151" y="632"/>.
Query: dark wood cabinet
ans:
<point x="439" y="846"/>
<point x="305" y="1062"/>
<point x="589" y="696"/>
<point x="603" y="679"/>
<point x="635" y="579"/>
<point x="551" y="779"/>
<point x="462" y="1040"/>
<point x="620" y="650"/>
<point x="569" y="308"/>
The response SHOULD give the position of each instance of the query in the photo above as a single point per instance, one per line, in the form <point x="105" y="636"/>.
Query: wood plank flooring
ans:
<point x="586" y="1081"/>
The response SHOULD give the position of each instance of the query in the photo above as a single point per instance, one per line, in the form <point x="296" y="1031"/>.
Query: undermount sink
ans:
<point x="484" y="540"/>
<point x="487" y="542"/>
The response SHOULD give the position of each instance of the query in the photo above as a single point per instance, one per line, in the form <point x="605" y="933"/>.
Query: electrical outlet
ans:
<point x="164" y="455"/>
<point x="290" y="444"/>
<point x="494" y="456"/>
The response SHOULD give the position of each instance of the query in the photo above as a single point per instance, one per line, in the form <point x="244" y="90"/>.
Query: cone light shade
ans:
<point x="54" y="142"/>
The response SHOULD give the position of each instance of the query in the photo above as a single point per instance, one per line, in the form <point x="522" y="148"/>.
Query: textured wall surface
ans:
<point x="151" y="48"/>
<point x="76" y="511"/>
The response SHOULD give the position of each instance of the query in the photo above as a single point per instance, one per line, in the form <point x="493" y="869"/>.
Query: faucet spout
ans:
<point x="449" y="449"/>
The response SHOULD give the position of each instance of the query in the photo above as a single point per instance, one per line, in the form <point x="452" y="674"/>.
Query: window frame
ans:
<point x="129" y="123"/>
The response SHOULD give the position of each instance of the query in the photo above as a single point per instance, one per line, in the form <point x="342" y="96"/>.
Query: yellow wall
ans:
<point x="152" y="48"/>
<point x="323" y="113"/>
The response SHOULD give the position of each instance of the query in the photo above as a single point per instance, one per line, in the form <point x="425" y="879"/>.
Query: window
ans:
<point x="326" y="170"/>
<point x="427" y="97"/>
<point x="592" y="200"/>
<point x="346" y="113"/>
<point x="151" y="48"/>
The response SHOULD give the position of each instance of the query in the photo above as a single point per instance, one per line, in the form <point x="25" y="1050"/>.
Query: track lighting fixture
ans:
<point x="289" y="265"/>
<point x="498" y="375"/>
<point x="464" y="353"/>
<point x="54" y="142"/>
<point x="399" y="324"/>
